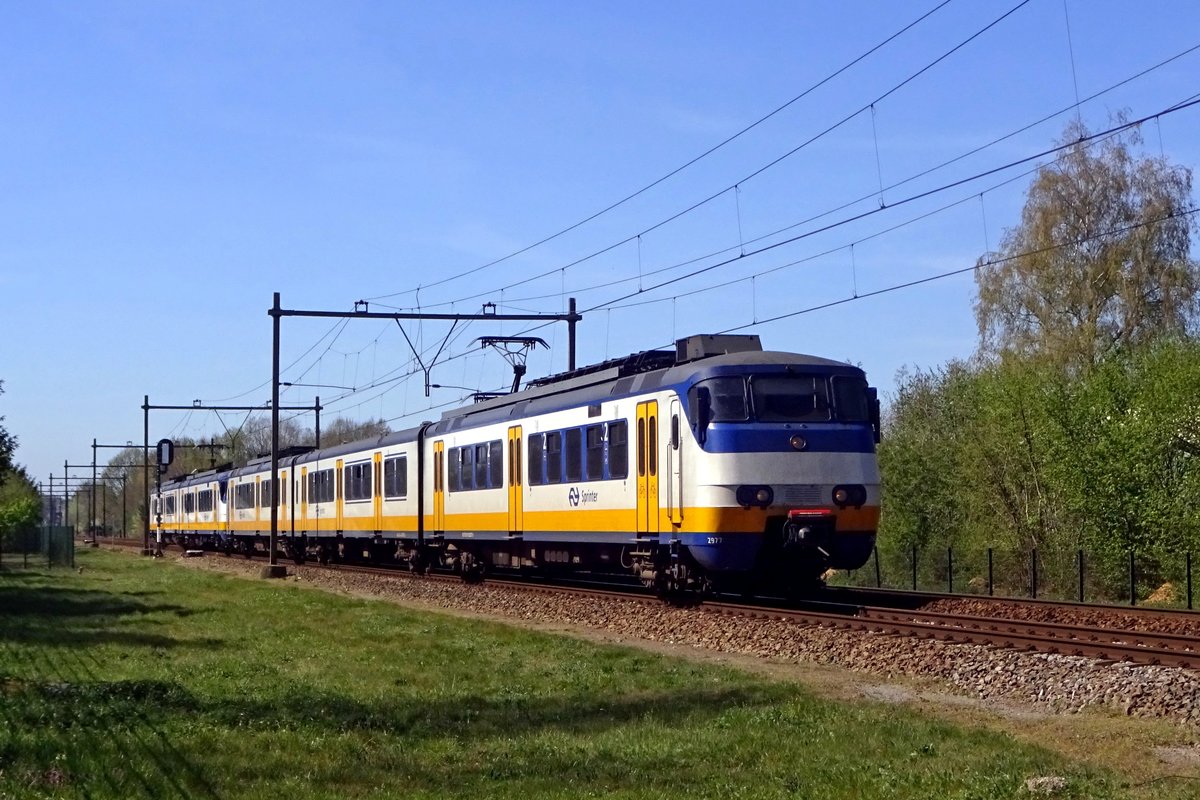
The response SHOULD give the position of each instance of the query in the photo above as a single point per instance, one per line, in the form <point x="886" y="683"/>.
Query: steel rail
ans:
<point x="1033" y="602"/>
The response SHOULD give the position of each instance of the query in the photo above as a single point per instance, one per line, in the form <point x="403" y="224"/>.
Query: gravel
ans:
<point x="1051" y="682"/>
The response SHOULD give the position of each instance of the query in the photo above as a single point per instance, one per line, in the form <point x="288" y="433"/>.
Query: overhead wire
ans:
<point x="843" y="206"/>
<point x="610" y="303"/>
<point x="1084" y="142"/>
<point x="979" y="265"/>
<point x="1189" y="103"/>
<point x="294" y="363"/>
<point x="779" y="159"/>
<point x="684" y="166"/>
<point x="963" y="270"/>
<point x="830" y="251"/>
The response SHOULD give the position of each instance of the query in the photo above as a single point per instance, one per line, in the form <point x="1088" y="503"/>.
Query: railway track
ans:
<point x="1110" y="644"/>
<point x="1116" y="644"/>
<point x="905" y="598"/>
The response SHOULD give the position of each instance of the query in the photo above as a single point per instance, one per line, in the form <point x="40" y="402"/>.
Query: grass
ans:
<point x="134" y="678"/>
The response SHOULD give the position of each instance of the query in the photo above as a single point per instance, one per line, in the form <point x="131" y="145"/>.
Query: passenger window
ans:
<point x="554" y="457"/>
<point x="466" y="473"/>
<point x="495" y="464"/>
<point x="536" y="458"/>
<point x="595" y="453"/>
<point x="618" y="449"/>
<point x="574" y="455"/>
<point x="395" y="478"/>
<point x="481" y="466"/>
<point x="453" y="467"/>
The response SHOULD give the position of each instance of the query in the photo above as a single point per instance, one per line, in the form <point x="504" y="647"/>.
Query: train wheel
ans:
<point x="470" y="568"/>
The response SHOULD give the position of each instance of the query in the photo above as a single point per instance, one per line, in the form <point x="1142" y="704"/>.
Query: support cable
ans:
<point x="693" y="161"/>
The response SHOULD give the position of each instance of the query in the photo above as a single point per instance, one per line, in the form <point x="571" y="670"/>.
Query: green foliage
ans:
<point x="1072" y="427"/>
<point x="1100" y="261"/>
<point x="8" y="445"/>
<point x="1015" y="455"/>
<point x="20" y="505"/>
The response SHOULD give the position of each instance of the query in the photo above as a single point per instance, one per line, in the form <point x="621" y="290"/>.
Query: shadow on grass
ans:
<point x="122" y="738"/>
<point x="476" y="716"/>
<point x="103" y="705"/>
<point x="33" y="614"/>
<point x="69" y="731"/>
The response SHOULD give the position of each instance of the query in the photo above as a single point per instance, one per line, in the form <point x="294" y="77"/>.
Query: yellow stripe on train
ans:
<point x="695" y="520"/>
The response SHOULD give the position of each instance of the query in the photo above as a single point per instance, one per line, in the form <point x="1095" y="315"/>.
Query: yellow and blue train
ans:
<point x="717" y="463"/>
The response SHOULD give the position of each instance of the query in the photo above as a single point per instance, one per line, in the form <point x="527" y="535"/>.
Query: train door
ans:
<point x="304" y="498"/>
<point x="377" y="492"/>
<point x="223" y="505"/>
<point x="338" y="506"/>
<point x="647" y="466"/>
<point x="675" y="466"/>
<point x="439" y="486"/>
<point x="281" y="502"/>
<point x="516" y="498"/>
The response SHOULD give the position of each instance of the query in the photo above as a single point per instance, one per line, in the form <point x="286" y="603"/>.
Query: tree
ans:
<point x="1100" y="260"/>
<point x="20" y="505"/>
<point x="346" y="430"/>
<point x="8" y="445"/>
<point x="254" y="438"/>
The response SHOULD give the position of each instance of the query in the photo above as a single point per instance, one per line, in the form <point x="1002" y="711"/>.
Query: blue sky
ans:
<point x="167" y="166"/>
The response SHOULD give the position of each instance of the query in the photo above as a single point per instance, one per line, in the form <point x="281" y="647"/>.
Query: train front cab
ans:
<point x="782" y="461"/>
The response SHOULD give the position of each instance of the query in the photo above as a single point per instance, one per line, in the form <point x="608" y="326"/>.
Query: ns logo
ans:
<point x="575" y="496"/>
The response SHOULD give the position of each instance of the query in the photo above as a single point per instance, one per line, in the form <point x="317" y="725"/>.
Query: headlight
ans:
<point x="798" y="442"/>
<point x="755" y="496"/>
<point x="853" y="494"/>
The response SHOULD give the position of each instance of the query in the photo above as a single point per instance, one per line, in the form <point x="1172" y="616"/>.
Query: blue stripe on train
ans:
<point x="758" y="437"/>
<point x="738" y="552"/>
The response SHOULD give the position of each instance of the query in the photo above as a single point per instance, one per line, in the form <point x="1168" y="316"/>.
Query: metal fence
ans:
<point x="1129" y="577"/>
<point x="51" y="545"/>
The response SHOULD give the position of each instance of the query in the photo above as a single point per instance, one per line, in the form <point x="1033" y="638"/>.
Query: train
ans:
<point x="713" y="466"/>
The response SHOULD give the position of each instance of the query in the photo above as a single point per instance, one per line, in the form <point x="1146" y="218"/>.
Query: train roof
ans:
<point x="692" y="359"/>
<point x="641" y="372"/>
<point x="342" y="448"/>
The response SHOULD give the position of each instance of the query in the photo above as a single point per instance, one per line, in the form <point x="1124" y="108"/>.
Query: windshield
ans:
<point x="790" y="398"/>
<point x="787" y="398"/>
<point x="850" y="399"/>
<point x="728" y="399"/>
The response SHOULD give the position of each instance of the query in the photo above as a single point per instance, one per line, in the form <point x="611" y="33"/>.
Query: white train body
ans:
<point x="682" y="467"/>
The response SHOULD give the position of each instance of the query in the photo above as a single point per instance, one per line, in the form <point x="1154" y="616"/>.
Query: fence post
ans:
<point x="914" y="567"/>
<point x="950" y="570"/>
<point x="991" y="584"/>
<point x="878" y="576"/>
<point x="1189" y="579"/>
<point x="1132" y="581"/>
<point x="1033" y="573"/>
<point x="1081" y="576"/>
